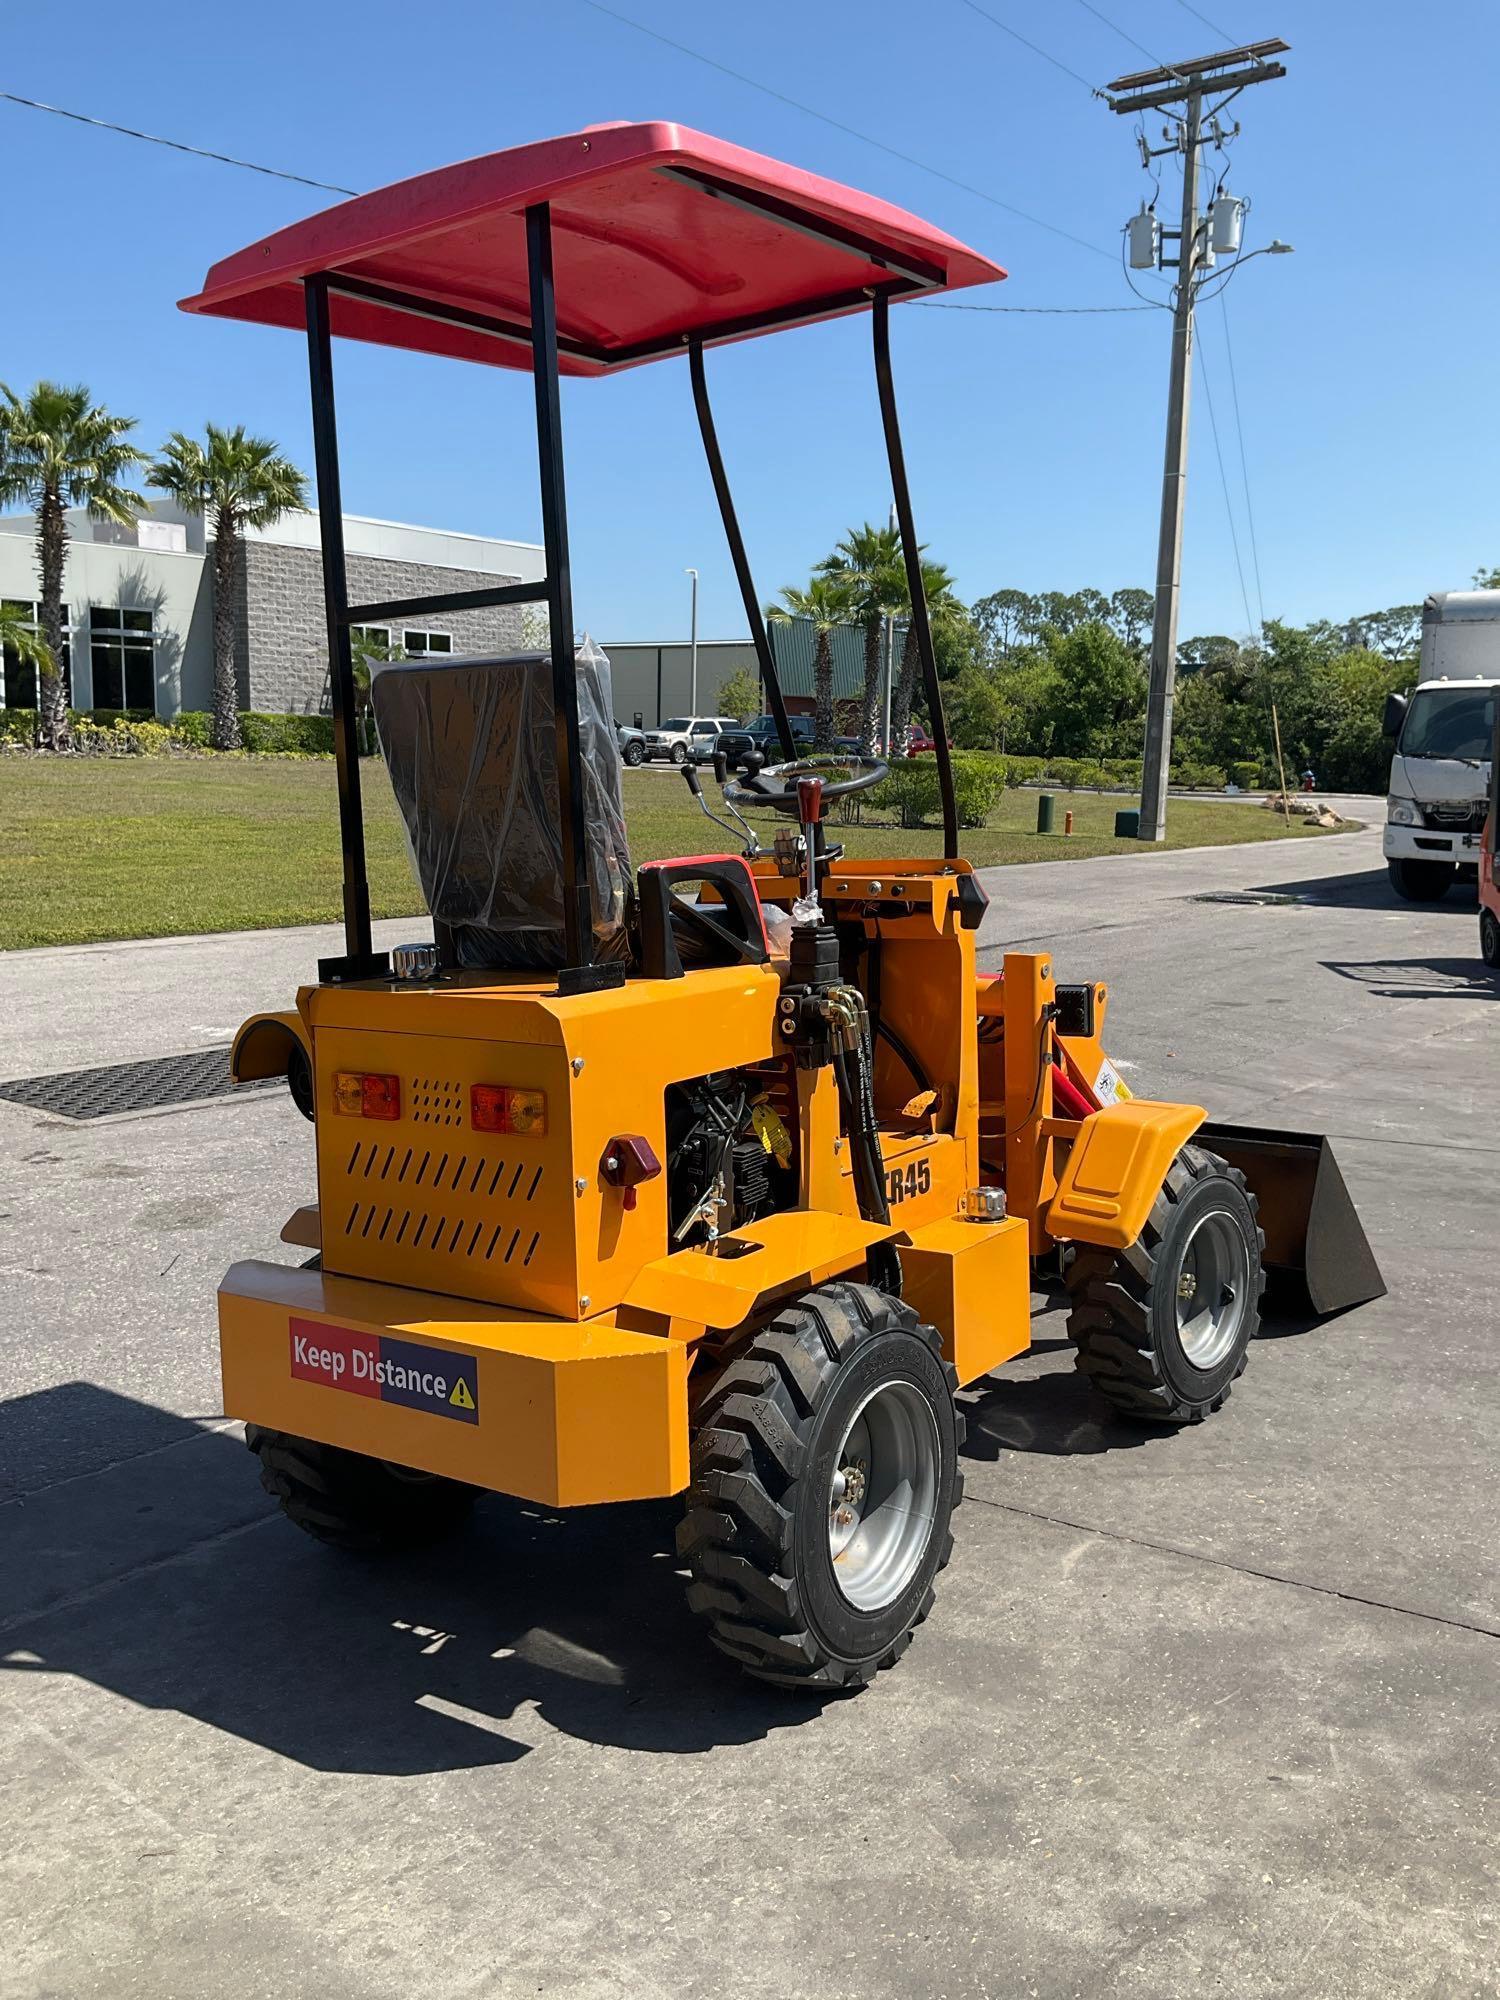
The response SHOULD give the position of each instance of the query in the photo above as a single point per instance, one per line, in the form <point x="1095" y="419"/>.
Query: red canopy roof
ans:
<point x="658" y="232"/>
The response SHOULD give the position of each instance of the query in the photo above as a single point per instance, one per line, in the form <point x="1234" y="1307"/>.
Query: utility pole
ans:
<point x="890" y="661"/>
<point x="693" y="698"/>
<point x="1198" y="238"/>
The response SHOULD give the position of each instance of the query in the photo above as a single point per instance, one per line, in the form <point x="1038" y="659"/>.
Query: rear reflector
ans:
<point x="501" y="1107"/>
<point x="363" y="1094"/>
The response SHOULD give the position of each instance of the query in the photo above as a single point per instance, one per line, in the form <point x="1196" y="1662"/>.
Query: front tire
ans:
<point x="1421" y="881"/>
<point x="353" y="1502"/>
<point x="678" y="753"/>
<point x="1162" y="1329"/>
<point x="635" y="753"/>
<point x="1489" y="936"/>
<point x="825" y="1474"/>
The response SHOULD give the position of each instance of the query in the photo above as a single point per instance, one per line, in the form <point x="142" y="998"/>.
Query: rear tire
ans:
<point x="825" y="1474"/>
<point x="1421" y="881"/>
<point x="1489" y="936"/>
<point x="1162" y="1329"/>
<point x="353" y="1502"/>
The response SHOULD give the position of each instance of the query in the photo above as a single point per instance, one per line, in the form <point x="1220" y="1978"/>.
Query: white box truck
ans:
<point x="1444" y="733"/>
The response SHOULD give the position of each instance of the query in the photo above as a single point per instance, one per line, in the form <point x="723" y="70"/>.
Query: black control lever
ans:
<point x="695" y="786"/>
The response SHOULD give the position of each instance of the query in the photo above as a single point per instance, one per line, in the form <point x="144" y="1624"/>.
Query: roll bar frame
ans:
<point x="582" y="972"/>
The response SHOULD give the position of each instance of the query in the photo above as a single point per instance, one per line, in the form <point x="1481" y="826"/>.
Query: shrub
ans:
<point x="1198" y="777"/>
<point x="1071" y="772"/>
<point x="912" y="793"/>
<point x="1024" y="770"/>
<point x="191" y="728"/>
<point x="1125" y="771"/>
<point x="18" y="726"/>
<point x="978" y="781"/>
<point x="1246" y="774"/>
<point x="309" y="735"/>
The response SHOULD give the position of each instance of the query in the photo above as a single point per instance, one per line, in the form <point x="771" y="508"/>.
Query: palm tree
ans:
<point x="244" y="482"/>
<point x="59" y="449"/>
<point x="19" y="636"/>
<point x="937" y="588"/>
<point x="868" y="563"/>
<point x="826" y="603"/>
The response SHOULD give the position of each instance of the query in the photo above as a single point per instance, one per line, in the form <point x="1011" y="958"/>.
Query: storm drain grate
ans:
<point x="1264" y="897"/>
<point x="132" y="1086"/>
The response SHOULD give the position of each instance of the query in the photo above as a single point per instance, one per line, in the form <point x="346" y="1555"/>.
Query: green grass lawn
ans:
<point x="133" y="847"/>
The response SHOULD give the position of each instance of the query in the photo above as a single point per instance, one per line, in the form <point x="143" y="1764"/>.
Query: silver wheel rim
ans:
<point x="1213" y="1289"/>
<point x="882" y="1499"/>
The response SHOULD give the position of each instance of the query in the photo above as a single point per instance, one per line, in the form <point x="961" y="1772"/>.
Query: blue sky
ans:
<point x="1365" y="363"/>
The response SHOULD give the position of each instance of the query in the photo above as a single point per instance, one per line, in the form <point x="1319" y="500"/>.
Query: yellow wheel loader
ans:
<point x="722" y="1176"/>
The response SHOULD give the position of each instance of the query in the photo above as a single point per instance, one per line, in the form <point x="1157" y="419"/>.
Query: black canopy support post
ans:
<point x="736" y="541"/>
<point x="361" y="960"/>
<point x="912" y="556"/>
<point x="580" y="974"/>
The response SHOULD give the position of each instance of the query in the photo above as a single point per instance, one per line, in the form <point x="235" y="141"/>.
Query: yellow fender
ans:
<point x="264" y="1045"/>
<point x="1115" y="1171"/>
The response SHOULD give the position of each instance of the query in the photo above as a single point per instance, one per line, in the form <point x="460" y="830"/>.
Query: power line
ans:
<point x="939" y="305"/>
<point x="1035" y="48"/>
<point x="849" y="131"/>
<point x="1213" y="424"/>
<point x="1260" y="597"/>
<point x="1183" y="4"/>
<point x="176" y="145"/>
<point x="1114" y="26"/>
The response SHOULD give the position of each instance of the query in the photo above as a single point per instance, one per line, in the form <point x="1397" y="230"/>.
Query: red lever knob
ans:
<point x="627" y="1161"/>
<point x="809" y="800"/>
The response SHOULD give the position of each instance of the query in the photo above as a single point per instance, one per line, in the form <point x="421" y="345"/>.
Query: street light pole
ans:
<point x="693" y="701"/>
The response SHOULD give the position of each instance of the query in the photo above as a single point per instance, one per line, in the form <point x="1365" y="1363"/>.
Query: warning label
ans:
<point x="394" y="1371"/>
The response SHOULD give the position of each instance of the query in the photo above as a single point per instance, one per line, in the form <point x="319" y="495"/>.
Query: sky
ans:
<point x="1364" y="364"/>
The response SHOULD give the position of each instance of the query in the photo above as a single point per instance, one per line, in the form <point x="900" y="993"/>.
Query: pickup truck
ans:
<point x="688" y="736"/>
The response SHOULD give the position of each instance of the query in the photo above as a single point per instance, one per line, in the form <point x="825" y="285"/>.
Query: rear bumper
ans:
<point x="564" y="1413"/>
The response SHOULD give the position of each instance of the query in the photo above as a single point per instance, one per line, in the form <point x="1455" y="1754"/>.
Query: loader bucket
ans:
<point x="1315" y="1243"/>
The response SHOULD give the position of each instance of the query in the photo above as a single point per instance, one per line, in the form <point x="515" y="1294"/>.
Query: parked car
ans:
<point x="767" y="740"/>
<point x="685" y="736"/>
<point x="920" y="738"/>
<point x="632" y="743"/>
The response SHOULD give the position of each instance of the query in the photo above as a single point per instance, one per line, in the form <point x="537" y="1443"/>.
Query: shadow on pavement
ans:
<point x="1421" y="978"/>
<point x="170" y="1579"/>
<point x="1369" y="889"/>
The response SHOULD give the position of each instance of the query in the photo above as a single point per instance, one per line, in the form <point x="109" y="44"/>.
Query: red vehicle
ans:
<point x="920" y="739"/>
<point x="1489" y="866"/>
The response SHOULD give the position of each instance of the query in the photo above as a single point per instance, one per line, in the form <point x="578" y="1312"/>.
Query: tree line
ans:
<point x="1064" y="673"/>
<point x="60" y="449"/>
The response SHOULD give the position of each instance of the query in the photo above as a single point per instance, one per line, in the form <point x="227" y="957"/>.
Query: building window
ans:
<point x="18" y="676"/>
<point x="419" y="643"/>
<point x="122" y="649"/>
<point x="369" y="638"/>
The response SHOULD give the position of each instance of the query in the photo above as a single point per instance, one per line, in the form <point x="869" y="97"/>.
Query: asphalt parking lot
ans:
<point x="1201" y="1713"/>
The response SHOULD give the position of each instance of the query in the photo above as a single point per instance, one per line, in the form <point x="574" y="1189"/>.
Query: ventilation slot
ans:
<point x="435" y="1101"/>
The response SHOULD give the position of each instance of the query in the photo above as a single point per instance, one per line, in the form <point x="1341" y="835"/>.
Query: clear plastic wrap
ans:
<point x="472" y="759"/>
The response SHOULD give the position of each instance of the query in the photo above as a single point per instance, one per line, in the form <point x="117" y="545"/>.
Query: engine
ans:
<point x="731" y="1139"/>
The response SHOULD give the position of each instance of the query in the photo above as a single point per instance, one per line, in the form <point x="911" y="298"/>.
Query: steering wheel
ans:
<point x="776" y="785"/>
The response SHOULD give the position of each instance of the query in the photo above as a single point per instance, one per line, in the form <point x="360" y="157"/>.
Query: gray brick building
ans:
<point x="140" y="606"/>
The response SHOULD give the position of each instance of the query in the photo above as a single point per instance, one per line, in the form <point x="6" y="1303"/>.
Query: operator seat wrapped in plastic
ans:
<point x="472" y="758"/>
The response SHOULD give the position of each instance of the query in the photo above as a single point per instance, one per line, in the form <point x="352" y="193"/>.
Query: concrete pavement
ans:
<point x="1202" y="1713"/>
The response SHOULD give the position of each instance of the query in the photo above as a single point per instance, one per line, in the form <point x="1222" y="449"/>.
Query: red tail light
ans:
<point x="502" y="1107"/>
<point x="366" y="1094"/>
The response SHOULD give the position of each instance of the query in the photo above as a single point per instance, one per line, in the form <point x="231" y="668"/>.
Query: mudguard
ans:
<point x="264" y="1046"/>
<point x="1115" y="1170"/>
